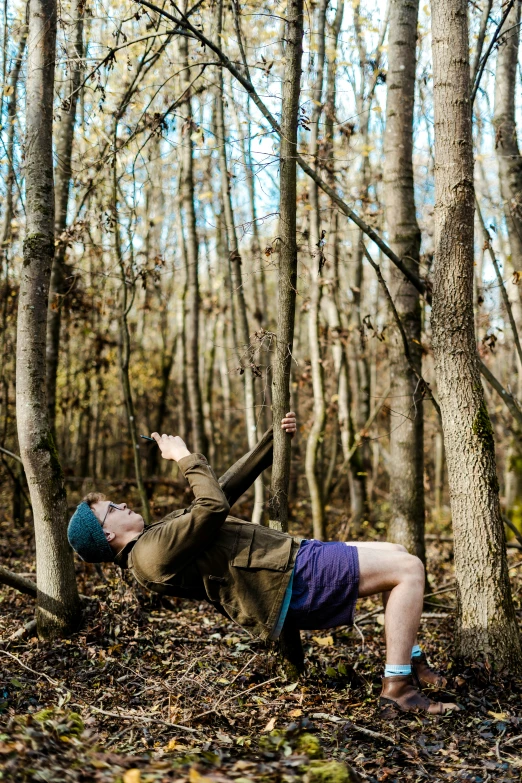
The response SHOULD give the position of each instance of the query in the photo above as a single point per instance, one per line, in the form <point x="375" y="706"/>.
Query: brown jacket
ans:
<point x="201" y="552"/>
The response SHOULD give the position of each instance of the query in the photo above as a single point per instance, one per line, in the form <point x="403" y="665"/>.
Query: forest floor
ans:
<point x="148" y="692"/>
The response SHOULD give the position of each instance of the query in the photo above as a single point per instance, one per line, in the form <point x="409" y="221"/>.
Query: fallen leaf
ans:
<point x="295" y="713"/>
<point x="270" y="725"/>
<point x="498" y="715"/>
<point x="323" y="641"/>
<point x="132" y="776"/>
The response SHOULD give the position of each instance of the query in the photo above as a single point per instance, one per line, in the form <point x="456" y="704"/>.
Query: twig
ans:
<point x="360" y="435"/>
<point x="236" y="696"/>
<point x="85" y="704"/>
<point x="330" y="191"/>
<point x="512" y="527"/>
<point x="349" y="724"/>
<point x="23" y="631"/>
<point x="505" y="297"/>
<point x="425" y="385"/>
<point x="11" y="454"/>
<point x="490" y="49"/>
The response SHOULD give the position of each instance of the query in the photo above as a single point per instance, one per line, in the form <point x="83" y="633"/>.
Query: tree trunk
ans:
<point x="64" y="134"/>
<point x="124" y="346"/>
<point x="8" y="206"/>
<point x="486" y="622"/>
<point x="246" y="358"/>
<point x="58" y="610"/>
<point x="199" y="438"/>
<point x="316" y="435"/>
<point x="407" y="427"/>
<point x="287" y="280"/>
<point x="509" y="158"/>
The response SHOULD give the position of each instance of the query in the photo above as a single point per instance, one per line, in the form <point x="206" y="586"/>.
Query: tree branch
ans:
<point x="489" y="50"/>
<point x="425" y="385"/>
<point x="503" y="291"/>
<point x="20" y="583"/>
<point x="421" y="286"/>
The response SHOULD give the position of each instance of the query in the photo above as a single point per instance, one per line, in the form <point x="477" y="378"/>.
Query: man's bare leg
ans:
<point x="399" y="576"/>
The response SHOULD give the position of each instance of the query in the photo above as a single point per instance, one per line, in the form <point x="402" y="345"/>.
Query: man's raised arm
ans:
<point x="244" y="472"/>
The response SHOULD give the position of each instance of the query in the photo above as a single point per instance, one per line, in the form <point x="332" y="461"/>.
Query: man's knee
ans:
<point x="398" y="548"/>
<point x="413" y="568"/>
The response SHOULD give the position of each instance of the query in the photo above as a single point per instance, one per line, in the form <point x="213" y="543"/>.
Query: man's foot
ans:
<point x="400" y="692"/>
<point x="424" y="675"/>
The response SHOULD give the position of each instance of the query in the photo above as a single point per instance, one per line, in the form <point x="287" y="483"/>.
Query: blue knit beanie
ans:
<point x="86" y="536"/>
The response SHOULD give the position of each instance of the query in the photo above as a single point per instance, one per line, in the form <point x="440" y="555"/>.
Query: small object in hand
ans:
<point x="146" y="437"/>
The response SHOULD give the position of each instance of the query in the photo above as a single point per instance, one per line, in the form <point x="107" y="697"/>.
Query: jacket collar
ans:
<point x="122" y="557"/>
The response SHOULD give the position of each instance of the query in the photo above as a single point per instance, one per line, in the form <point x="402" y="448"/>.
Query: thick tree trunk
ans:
<point x="407" y="429"/>
<point x="64" y="134"/>
<point x="486" y="622"/>
<point x="199" y="438"/>
<point x="316" y="435"/>
<point x="287" y="280"/>
<point x="58" y="610"/>
<point x="246" y="357"/>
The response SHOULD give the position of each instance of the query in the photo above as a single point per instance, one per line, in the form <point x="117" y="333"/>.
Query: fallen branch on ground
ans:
<point x="361" y="729"/>
<point x="20" y="583"/>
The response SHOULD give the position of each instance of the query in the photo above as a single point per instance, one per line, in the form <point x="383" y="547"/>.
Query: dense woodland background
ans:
<point x="171" y="232"/>
<point x="124" y="233"/>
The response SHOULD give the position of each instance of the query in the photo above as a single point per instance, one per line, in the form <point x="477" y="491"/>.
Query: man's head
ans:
<point x="99" y="528"/>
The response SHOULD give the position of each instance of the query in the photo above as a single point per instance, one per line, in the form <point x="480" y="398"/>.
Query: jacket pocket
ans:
<point x="261" y="547"/>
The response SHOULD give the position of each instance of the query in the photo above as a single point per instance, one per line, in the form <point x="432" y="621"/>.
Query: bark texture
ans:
<point x="244" y="348"/>
<point x="316" y="435"/>
<point x="58" y="605"/>
<point x="406" y="430"/>
<point x="486" y="623"/>
<point x="508" y="152"/>
<point x="287" y="263"/>
<point x="199" y="438"/>
<point x="64" y="136"/>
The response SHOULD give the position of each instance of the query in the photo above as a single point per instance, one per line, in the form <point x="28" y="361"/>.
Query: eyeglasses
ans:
<point x="111" y="505"/>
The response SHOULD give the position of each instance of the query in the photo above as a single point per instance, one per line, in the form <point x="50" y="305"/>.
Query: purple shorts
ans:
<point x="325" y="586"/>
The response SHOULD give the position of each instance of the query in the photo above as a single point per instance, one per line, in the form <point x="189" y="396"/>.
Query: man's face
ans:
<point x="117" y="520"/>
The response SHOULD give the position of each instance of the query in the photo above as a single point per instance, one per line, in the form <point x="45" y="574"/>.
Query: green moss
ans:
<point x="46" y="443"/>
<point x="35" y="245"/>
<point x="309" y="745"/>
<point x="483" y="430"/>
<point x="327" y="772"/>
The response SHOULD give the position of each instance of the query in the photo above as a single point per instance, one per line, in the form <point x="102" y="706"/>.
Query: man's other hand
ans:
<point x="171" y="446"/>
<point x="289" y="424"/>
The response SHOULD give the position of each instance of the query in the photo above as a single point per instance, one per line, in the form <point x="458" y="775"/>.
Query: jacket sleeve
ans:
<point x="166" y="548"/>
<point x="244" y="472"/>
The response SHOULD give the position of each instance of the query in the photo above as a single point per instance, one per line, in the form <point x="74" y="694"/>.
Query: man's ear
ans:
<point x="109" y="535"/>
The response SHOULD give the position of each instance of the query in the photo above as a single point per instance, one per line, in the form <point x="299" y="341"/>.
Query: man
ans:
<point x="260" y="577"/>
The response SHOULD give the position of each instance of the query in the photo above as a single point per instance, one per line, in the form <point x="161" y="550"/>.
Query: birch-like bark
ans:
<point x="64" y="136"/>
<point x="316" y="435"/>
<point x="287" y="281"/>
<point x="246" y="354"/>
<point x="199" y="438"/>
<point x="407" y="424"/>
<point x="58" y="605"/>
<point x="486" y="622"/>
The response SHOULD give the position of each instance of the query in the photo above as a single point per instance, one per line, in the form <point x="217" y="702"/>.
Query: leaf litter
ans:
<point x="167" y="691"/>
